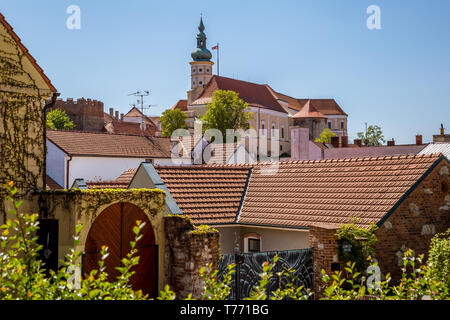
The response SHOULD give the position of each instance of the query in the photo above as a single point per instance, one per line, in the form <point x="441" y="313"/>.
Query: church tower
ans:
<point x="201" y="66"/>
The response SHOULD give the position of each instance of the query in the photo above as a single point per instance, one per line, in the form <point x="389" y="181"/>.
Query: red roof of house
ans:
<point x="207" y="194"/>
<point x="331" y="192"/>
<point x="131" y="128"/>
<point x="300" y="194"/>
<point x="308" y="111"/>
<point x="363" y="152"/>
<point x="121" y="182"/>
<point x="254" y="94"/>
<point x="26" y="52"/>
<point x="110" y="145"/>
<point x="181" y="104"/>
<point x="325" y="106"/>
<point x="51" y="184"/>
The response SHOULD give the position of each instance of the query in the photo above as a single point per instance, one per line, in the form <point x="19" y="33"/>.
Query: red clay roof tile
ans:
<point x="109" y="145"/>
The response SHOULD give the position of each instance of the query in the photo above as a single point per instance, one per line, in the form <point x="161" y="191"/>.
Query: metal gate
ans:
<point x="250" y="265"/>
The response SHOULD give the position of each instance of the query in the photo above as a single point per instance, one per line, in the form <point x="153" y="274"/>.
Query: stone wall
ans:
<point x="188" y="249"/>
<point x="424" y="212"/>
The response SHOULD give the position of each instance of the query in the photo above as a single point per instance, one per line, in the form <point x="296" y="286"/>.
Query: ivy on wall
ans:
<point x="22" y="144"/>
<point x="87" y="202"/>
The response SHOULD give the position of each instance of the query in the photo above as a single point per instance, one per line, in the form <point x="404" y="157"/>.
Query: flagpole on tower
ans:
<point x="216" y="47"/>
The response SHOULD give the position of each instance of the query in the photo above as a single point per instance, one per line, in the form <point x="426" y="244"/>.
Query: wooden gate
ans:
<point x="114" y="229"/>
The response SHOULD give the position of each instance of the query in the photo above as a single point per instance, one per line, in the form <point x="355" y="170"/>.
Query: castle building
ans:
<point x="272" y="111"/>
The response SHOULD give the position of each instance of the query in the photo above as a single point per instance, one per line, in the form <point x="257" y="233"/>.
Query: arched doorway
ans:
<point x="114" y="229"/>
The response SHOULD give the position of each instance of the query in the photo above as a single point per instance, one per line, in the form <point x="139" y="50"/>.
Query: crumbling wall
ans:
<point x="188" y="249"/>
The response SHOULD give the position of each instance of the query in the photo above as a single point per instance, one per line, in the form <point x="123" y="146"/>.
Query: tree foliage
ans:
<point x="226" y="111"/>
<point x="325" y="136"/>
<point x="374" y="136"/>
<point x="172" y="120"/>
<point x="57" y="119"/>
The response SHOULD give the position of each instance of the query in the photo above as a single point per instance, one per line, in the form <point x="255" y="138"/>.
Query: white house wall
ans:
<point x="55" y="163"/>
<point x="100" y="168"/>
<point x="272" y="239"/>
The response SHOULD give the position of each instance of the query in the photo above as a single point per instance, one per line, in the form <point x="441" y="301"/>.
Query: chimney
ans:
<point x="117" y="115"/>
<point x="344" y="141"/>
<point x="299" y="143"/>
<point x="442" y="130"/>
<point x="358" y="142"/>
<point x="335" y="142"/>
<point x="111" y="112"/>
<point x="391" y="143"/>
<point x="419" y="139"/>
<point x="121" y="117"/>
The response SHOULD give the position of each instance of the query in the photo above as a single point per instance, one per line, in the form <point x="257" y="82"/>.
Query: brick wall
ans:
<point x="425" y="212"/>
<point x="324" y="245"/>
<point x="186" y="251"/>
<point x="86" y="114"/>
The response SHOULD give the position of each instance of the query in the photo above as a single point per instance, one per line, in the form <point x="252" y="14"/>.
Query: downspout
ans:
<point x="67" y="171"/>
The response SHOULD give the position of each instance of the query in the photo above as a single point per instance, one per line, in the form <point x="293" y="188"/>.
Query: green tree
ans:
<point x="374" y="135"/>
<point x="57" y="119"/>
<point x="226" y="111"/>
<point x="325" y="136"/>
<point x="172" y="120"/>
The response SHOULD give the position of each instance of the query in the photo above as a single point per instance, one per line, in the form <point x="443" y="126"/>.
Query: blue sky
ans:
<point x="397" y="77"/>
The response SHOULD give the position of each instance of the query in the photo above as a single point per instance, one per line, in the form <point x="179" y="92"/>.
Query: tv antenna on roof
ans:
<point x="140" y="100"/>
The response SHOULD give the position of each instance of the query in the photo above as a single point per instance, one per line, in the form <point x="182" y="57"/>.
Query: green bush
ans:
<point x="439" y="257"/>
<point x="23" y="276"/>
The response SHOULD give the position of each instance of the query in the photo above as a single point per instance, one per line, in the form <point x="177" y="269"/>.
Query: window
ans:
<point x="254" y="245"/>
<point x="329" y="124"/>
<point x="263" y="127"/>
<point x="193" y="70"/>
<point x="200" y="82"/>
<point x="273" y="129"/>
<point x="207" y="70"/>
<point x="252" y="242"/>
<point x="282" y="132"/>
<point x="200" y="70"/>
<point x="342" y="124"/>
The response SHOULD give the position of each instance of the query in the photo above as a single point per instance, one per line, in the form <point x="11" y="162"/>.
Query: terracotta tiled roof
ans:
<point x="121" y="182"/>
<point x="51" y="184"/>
<point x="208" y="195"/>
<point x="308" y="111"/>
<point x="16" y="38"/>
<point x="109" y="145"/>
<point x="254" y="94"/>
<point x="181" y="104"/>
<point x="135" y="112"/>
<point x="325" y="106"/>
<point x="363" y="152"/>
<point x="131" y="128"/>
<point x="330" y="192"/>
